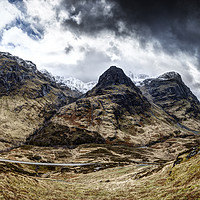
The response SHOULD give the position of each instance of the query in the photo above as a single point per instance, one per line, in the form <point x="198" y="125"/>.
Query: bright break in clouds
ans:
<point x="82" y="38"/>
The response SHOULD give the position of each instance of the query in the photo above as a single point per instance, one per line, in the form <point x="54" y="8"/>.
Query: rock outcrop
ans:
<point x="27" y="99"/>
<point x="169" y="92"/>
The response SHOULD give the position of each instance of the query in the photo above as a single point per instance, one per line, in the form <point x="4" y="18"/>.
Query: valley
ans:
<point x="134" y="141"/>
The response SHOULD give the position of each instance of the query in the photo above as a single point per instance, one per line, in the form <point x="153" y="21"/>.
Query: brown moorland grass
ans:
<point x="128" y="183"/>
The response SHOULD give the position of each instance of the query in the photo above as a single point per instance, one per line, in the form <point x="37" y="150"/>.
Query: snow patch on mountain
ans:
<point x="48" y="75"/>
<point x="137" y="78"/>
<point x="169" y="75"/>
<point x="78" y="85"/>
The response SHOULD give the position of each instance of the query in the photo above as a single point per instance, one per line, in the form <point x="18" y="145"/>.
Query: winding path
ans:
<point x="48" y="164"/>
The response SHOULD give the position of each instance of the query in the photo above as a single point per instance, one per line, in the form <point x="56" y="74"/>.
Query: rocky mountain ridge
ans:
<point x="83" y="87"/>
<point x="27" y="99"/>
<point x="170" y="93"/>
<point x="146" y="136"/>
<point x="113" y="112"/>
<point x="25" y="63"/>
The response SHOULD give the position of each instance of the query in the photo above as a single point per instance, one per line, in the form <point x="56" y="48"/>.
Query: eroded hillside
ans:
<point x="27" y="99"/>
<point x="113" y="112"/>
<point x="140" y="144"/>
<point x="169" y="92"/>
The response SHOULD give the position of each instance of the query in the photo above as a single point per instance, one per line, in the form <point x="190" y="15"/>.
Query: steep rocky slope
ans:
<point x="134" y="138"/>
<point x="27" y="99"/>
<point x="169" y="92"/>
<point x="113" y="112"/>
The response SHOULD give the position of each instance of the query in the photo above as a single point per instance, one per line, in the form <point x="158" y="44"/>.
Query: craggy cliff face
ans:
<point x="37" y="110"/>
<point x="113" y="112"/>
<point x="169" y="92"/>
<point x="27" y="99"/>
<point x="114" y="124"/>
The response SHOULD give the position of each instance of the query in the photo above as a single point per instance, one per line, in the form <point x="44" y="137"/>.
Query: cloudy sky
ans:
<point x="82" y="38"/>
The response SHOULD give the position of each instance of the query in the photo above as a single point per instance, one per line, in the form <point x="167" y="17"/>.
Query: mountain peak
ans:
<point x="28" y="65"/>
<point x="170" y="75"/>
<point x="114" y="76"/>
<point x="113" y="79"/>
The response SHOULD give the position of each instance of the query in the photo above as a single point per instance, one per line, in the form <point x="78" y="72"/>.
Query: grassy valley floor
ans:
<point x="130" y="182"/>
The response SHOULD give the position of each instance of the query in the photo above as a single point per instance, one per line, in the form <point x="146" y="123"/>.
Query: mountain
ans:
<point x="82" y="87"/>
<point x="27" y="99"/>
<point x="169" y="92"/>
<point x="153" y="129"/>
<point x="75" y="84"/>
<point x="137" y="78"/>
<point x="113" y="112"/>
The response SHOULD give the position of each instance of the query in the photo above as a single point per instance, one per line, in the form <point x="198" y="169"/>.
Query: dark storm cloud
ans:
<point x="175" y="24"/>
<point x="95" y="16"/>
